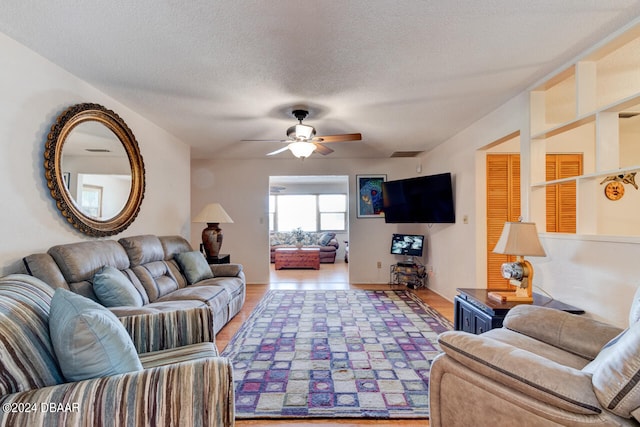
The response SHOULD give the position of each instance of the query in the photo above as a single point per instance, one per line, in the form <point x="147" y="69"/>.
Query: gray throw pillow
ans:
<point x="326" y="238"/>
<point x="113" y="289"/>
<point x="89" y="341"/>
<point x="194" y="266"/>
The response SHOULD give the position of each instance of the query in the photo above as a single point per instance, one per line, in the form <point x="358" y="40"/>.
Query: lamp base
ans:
<point x="509" y="297"/>
<point x="212" y="240"/>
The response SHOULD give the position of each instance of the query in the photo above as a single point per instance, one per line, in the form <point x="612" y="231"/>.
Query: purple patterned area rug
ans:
<point x="335" y="354"/>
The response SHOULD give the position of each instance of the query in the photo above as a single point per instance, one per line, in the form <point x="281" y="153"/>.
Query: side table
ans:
<point x="476" y="313"/>
<point x="220" y="259"/>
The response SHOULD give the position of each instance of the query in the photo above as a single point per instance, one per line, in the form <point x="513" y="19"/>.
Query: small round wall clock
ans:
<point x="614" y="190"/>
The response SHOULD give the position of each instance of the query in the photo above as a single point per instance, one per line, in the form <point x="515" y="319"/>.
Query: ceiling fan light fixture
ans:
<point x="304" y="132"/>
<point x="301" y="132"/>
<point x="302" y="149"/>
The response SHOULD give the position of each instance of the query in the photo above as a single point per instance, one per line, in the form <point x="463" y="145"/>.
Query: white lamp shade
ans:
<point x="213" y="213"/>
<point x="302" y="149"/>
<point x="519" y="238"/>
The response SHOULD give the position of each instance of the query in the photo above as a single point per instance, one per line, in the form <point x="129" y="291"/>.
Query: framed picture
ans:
<point x="370" y="195"/>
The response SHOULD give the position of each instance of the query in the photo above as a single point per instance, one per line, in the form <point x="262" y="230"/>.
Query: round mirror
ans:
<point x="94" y="170"/>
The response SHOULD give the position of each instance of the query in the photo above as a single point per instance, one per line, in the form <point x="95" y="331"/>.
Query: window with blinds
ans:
<point x="561" y="198"/>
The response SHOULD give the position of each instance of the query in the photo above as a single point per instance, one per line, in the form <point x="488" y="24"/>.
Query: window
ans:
<point x="311" y="212"/>
<point x="91" y="200"/>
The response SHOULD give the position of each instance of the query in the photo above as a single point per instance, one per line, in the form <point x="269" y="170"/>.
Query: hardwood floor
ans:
<point x="330" y="276"/>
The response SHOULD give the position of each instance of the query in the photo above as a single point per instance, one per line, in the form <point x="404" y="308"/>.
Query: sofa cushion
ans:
<point x="182" y="354"/>
<point x="542" y="349"/>
<point x="80" y="261"/>
<point x="194" y="266"/>
<point x="173" y="245"/>
<point x="113" y="289"/>
<point x="156" y="278"/>
<point x="88" y="339"/>
<point x="226" y="270"/>
<point x="325" y="238"/>
<point x="616" y="373"/>
<point x="522" y="370"/>
<point x="142" y="249"/>
<point x="215" y="297"/>
<point x="44" y="267"/>
<point x="157" y="307"/>
<point x="579" y="335"/>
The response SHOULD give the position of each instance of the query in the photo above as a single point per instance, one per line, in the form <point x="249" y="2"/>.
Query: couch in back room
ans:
<point x="143" y="274"/>
<point x="326" y="242"/>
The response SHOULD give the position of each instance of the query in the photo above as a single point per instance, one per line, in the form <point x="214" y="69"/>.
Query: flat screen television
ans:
<point x="425" y="199"/>
<point x="407" y="244"/>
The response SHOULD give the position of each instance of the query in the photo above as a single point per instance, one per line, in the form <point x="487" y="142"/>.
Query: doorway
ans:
<point x="318" y="205"/>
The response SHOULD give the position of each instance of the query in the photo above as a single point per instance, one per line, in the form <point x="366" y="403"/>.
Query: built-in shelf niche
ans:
<point x="592" y="108"/>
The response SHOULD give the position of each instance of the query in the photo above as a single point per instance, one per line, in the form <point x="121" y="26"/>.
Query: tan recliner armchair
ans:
<point x="544" y="367"/>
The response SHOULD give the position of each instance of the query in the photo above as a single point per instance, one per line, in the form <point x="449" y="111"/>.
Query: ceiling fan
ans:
<point x="302" y="140"/>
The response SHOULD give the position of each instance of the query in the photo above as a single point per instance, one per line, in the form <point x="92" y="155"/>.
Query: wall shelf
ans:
<point x="578" y="111"/>
<point x="594" y="175"/>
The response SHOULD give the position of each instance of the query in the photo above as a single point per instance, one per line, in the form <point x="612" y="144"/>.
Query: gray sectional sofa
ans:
<point x="153" y="278"/>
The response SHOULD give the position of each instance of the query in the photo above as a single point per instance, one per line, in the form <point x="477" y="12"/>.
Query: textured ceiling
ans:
<point x="407" y="74"/>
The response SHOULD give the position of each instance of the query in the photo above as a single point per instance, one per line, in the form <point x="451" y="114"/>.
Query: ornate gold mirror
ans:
<point x="94" y="170"/>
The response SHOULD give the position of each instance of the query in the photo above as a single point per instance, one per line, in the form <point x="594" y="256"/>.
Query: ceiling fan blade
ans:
<point x="273" y="153"/>
<point x="339" y="138"/>
<point x="265" y="140"/>
<point x="322" y="149"/>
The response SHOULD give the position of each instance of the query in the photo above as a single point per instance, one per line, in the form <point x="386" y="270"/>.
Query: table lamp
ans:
<point x="519" y="239"/>
<point x="213" y="214"/>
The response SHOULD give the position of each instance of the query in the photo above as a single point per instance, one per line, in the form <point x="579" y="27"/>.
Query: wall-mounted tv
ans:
<point x="425" y="199"/>
<point x="407" y="244"/>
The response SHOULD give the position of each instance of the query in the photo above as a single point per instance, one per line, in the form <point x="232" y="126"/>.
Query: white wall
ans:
<point x="34" y="92"/>
<point x="242" y="187"/>
<point x="458" y="252"/>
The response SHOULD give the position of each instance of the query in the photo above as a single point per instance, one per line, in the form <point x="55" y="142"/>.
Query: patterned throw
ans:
<point x="335" y="354"/>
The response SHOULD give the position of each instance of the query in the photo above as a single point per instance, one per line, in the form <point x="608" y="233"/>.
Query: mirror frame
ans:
<point x="56" y="139"/>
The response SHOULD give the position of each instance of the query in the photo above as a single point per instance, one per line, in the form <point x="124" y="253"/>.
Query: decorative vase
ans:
<point x="212" y="239"/>
<point x="299" y="245"/>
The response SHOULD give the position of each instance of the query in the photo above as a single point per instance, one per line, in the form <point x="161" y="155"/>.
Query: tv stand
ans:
<point x="407" y="262"/>
<point x="412" y="275"/>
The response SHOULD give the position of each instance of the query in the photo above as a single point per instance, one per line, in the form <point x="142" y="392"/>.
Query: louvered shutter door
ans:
<point x="503" y="204"/>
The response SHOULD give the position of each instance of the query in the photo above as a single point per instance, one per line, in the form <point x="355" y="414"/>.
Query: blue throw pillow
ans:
<point x="194" y="266"/>
<point x="113" y="289"/>
<point x="89" y="341"/>
<point x="326" y="238"/>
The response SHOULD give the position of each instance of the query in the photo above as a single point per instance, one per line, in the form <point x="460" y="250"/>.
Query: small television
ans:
<point x="425" y="199"/>
<point x="409" y="245"/>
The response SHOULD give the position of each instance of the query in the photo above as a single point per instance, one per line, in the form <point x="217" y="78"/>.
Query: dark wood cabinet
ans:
<point x="476" y="313"/>
<point x="220" y="259"/>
